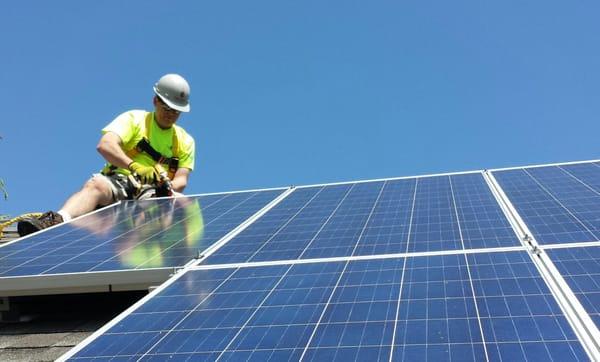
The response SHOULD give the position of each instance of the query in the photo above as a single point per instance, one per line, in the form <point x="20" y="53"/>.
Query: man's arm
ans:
<point x="180" y="179"/>
<point x="110" y="148"/>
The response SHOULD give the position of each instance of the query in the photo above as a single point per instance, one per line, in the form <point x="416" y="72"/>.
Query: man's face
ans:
<point x="165" y="116"/>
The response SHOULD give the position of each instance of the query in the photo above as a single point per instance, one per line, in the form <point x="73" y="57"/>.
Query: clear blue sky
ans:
<point x="299" y="92"/>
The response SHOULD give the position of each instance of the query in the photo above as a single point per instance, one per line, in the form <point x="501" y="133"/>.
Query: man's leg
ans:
<point x="97" y="191"/>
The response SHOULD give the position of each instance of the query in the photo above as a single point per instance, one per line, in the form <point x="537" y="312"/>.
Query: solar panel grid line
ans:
<point x="397" y="314"/>
<point x="469" y="273"/>
<point x="542" y="165"/>
<point x="578" y="318"/>
<point x="569" y="211"/>
<point x="233" y="233"/>
<point x="271" y="237"/>
<point x="340" y="277"/>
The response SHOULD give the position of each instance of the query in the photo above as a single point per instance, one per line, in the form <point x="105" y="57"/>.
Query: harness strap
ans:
<point x="144" y="146"/>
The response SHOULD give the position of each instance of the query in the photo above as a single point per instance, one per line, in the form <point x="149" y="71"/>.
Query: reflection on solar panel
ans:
<point x="161" y="233"/>
<point x="457" y="307"/>
<point x="473" y="266"/>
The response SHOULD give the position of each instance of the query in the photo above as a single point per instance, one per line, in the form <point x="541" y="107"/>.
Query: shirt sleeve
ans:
<point x="125" y="127"/>
<point x="188" y="151"/>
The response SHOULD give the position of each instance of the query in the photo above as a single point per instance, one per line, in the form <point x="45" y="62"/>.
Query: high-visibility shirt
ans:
<point x="131" y="128"/>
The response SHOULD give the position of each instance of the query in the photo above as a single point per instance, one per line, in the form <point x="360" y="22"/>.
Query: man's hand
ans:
<point x="147" y="174"/>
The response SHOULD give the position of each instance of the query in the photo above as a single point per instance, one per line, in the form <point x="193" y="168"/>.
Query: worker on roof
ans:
<point x="139" y="148"/>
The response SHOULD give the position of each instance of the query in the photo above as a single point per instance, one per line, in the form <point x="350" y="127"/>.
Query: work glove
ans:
<point x="147" y="174"/>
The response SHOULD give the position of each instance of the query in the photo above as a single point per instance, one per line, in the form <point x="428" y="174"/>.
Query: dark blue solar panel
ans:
<point x="374" y="218"/>
<point x="438" y="308"/>
<point x="434" y="225"/>
<point x="580" y="267"/>
<point x="133" y="235"/>
<point x="587" y="173"/>
<point x="557" y="207"/>
<point x="519" y="316"/>
<point x="388" y="228"/>
<point x="482" y="222"/>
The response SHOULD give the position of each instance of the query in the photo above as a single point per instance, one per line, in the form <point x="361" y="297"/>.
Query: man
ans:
<point x="138" y="146"/>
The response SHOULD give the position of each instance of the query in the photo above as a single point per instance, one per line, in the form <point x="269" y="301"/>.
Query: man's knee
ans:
<point x="99" y="186"/>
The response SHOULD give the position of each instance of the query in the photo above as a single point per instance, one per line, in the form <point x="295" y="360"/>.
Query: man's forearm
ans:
<point x="110" y="148"/>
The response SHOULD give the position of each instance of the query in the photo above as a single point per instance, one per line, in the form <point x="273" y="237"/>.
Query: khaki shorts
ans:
<point x="119" y="185"/>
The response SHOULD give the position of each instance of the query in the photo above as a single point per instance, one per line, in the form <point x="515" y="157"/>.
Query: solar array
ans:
<point x="492" y="265"/>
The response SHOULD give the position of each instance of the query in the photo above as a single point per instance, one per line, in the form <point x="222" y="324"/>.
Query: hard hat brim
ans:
<point x="178" y="107"/>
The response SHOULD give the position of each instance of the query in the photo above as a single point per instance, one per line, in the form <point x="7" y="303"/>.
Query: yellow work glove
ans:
<point x="147" y="174"/>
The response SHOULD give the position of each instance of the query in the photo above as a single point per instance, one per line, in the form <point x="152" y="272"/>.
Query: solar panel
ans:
<point x="150" y="234"/>
<point x="375" y="218"/>
<point x="463" y="307"/>
<point x="435" y="267"/>
<point x="581" y="269"/>
<point x="557" y="206"/>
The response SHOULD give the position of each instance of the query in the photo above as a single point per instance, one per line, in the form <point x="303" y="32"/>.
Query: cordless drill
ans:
<point x="164" y="187"/>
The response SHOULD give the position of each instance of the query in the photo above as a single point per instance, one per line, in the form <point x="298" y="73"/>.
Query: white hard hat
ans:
<point x="174" y="91"/>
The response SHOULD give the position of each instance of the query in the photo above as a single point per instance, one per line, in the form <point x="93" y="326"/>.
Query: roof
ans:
<point x="48" y="326"/>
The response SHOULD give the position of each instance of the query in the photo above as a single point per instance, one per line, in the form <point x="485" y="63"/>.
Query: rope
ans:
<point x="17" y="219"/>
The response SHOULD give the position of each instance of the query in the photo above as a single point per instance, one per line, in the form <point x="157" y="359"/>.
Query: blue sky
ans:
<point x="299" y="92"/>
